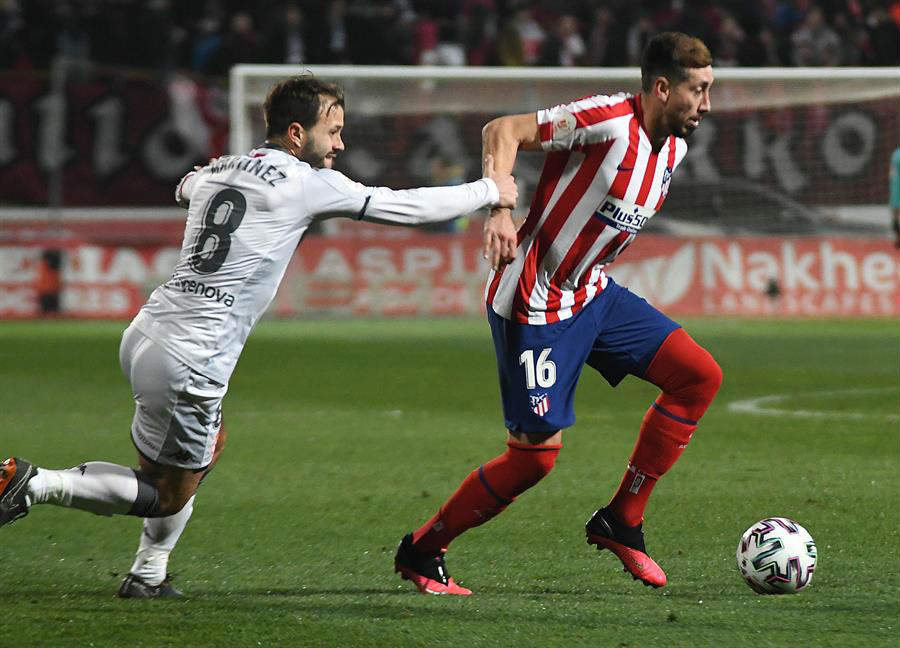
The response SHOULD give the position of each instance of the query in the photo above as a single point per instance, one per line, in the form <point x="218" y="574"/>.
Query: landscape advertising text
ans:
<point x="417" y="274"/>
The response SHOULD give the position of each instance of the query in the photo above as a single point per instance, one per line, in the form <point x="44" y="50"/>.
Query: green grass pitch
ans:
<point x="344" y="435"/>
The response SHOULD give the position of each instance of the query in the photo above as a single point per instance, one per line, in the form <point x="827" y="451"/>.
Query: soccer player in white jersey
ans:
<point x="246" y="216"/>
<point x="553" y="310"/>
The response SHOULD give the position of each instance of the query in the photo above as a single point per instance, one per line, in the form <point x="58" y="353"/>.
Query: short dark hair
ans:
<point x="669" y="54"/>
<point x="297" y="99"/>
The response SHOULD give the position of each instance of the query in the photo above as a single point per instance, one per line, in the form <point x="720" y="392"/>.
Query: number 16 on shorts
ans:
<point x="539" y="374"/>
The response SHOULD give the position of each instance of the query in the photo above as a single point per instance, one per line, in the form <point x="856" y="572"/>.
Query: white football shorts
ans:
<point x="178" y="411"/>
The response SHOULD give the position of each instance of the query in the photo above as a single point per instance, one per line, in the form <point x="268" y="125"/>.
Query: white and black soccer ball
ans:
<point x="777" y="556"/>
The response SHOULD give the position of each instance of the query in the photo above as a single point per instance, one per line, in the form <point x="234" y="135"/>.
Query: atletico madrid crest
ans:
<point x="540" y="404"/>
<point x="666" y="179"/>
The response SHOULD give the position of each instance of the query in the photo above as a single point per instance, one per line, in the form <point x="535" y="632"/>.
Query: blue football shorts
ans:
<point x="617" y="333"/>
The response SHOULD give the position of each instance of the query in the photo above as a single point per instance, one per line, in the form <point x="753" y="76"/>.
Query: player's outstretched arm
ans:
<point x="501" y="139"/>
<point x="331" y="194"/>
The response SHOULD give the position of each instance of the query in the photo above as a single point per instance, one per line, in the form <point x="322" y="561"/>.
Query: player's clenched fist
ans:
<point x="506" y="184"/>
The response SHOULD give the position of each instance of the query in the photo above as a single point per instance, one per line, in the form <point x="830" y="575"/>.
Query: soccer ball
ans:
<point x="777" y="556"/>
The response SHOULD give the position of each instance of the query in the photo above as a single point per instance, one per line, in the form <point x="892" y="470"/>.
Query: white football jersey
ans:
<point x="246" y="217"/>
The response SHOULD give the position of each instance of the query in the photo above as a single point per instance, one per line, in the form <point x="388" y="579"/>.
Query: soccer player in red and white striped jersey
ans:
<point x="553" y="310"/>
<point x="603" y="179"/>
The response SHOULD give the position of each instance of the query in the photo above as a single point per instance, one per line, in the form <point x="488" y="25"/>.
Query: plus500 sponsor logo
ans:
<point x="624" y="216"/>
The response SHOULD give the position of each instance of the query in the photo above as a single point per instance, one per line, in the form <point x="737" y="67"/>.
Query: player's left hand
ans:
<point x="500" y="238"/>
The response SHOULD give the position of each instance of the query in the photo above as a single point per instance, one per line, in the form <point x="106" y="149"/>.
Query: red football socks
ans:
<point x="689" y="378"/>
<point x="486" y="492"/>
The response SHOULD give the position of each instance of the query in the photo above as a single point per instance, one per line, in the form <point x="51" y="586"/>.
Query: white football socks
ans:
<point x="97" y="486"/>
<point x="157" y="541"/>
<point x="109" y="489"/>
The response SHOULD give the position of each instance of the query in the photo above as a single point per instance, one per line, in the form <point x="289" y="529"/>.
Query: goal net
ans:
<point x="784" y="151"/>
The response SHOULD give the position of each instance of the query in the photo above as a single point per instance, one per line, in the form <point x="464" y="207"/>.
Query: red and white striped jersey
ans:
<point x="600" y="184"/>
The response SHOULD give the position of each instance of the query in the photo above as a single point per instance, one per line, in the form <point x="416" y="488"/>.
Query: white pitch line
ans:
<point x="762" y="405"/>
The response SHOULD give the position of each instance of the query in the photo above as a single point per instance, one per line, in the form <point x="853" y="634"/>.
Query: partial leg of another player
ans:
<point x="485" y="493"/>
<point x="689" y="378"/>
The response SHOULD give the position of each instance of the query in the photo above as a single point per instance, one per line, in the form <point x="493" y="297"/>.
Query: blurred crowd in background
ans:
<point x="208" y="36"/>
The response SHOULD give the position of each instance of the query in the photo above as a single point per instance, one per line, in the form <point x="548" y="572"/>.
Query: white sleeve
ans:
<point x="330" y="193"/>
